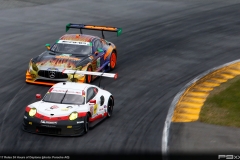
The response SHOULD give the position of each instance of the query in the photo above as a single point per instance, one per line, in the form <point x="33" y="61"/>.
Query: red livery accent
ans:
<point x="40" y="116"/>
<point x="83" y="93"/>
<point x="97" y="117"/>
<point x="27" y="109"/>
<point x="50" y="89"/>
<point x="82" y="114"/>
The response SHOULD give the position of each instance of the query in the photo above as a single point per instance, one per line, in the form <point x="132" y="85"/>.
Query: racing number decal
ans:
<point x="95" y="109"/>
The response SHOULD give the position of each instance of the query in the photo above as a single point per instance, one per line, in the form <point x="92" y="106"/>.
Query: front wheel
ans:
<point x="110" y="107"/>
<point x="86" y="123"/>
<point x="89" y="78"/>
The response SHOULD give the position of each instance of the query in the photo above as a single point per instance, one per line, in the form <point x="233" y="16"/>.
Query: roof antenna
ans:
<point x="100" y="79"/>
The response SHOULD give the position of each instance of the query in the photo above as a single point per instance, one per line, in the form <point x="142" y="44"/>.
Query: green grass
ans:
<point x="222" y="106"/>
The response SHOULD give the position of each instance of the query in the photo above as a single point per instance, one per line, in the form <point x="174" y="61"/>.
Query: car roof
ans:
<point x="72" y="85"/>
<point x="78" y="37"/>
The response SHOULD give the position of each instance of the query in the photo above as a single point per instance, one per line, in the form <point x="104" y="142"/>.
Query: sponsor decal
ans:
<point x="95" y="109"/>
<point x="105" y="106"/>
<point x="47" y="122"/>
<point x="91" y="110"/>
<point x="57" y="90"/>
<point x="73" y="92"/>
<point x="100" y="109"/>
<point x="52" y="69"/>
<point x="66" y="57"/>
<point x="91" y="57"/>
<point x="54" y="107"/>
<point x="48" y="126"/>
<point x="80" y="122"/>
<point x="64" y="109"/>
<point x="74" y="42"/>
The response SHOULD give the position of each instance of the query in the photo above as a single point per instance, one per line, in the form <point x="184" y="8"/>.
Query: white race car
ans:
<point x="69" y="108"/>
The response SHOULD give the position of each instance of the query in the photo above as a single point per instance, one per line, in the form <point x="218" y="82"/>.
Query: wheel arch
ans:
<point x="89" y="114"/>
<point x="111" y="96"/>
<point x="115" y="50"/>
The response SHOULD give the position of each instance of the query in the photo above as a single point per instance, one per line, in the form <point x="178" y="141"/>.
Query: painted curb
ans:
<point x="165" y="135"/>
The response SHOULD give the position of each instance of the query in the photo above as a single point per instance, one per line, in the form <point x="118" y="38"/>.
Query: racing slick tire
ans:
<point x="110" y="107"/>
<point x="89" y="78"/>
<point x="113" y="60"/>
<point x="86" y="124"/>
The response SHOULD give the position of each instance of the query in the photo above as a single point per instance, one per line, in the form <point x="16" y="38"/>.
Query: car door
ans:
<point x="99" y="52"/>
<point x="92" y="95"/>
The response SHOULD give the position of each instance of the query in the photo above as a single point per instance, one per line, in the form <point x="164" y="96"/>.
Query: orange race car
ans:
<point x="76" y="52"/>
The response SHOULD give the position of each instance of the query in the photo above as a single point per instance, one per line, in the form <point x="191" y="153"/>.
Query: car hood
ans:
<point x="60" y="61"/>
<point x="56" y="110"/>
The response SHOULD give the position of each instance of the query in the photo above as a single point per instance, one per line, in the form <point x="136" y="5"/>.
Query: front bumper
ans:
<point x="45" y="81"/>
<point x="61" y="128"/>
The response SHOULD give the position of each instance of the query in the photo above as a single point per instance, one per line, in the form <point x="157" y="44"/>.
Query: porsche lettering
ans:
<point x="47" y="122"/>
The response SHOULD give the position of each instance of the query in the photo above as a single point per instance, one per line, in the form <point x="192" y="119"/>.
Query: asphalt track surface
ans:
<point x="164" y="45"/>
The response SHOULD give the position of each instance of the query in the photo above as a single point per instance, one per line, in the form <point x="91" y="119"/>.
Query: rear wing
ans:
<point x="94" y="27"/>
<point x="109" y="75"/>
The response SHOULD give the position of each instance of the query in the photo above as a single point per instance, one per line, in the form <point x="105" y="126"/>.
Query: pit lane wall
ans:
<point x="188" y="106"/>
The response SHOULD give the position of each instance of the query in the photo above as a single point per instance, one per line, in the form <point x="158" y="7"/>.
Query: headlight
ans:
<point x="73" y="116"/>
<point x="32" y="112"/>
<point x="34" y="66"/>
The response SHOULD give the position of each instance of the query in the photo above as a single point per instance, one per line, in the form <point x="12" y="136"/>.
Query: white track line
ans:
<point x="167" y="124"/>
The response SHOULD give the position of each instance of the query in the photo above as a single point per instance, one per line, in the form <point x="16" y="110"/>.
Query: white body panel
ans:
<point x="57" y="109"/>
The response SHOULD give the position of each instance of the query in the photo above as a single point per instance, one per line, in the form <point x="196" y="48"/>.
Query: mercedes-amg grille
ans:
<point x="52" y="74"/>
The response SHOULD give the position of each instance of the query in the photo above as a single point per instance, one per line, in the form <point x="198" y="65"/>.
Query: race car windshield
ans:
<point x="63" y="98"/>
<point x="72" y="48"/>
<point x="73" y="99"/>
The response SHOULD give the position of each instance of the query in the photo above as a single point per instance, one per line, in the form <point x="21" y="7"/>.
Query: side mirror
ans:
<point x="48" y="46"/>
<point x="38" y="96"/>
<point x="92" y="101"/>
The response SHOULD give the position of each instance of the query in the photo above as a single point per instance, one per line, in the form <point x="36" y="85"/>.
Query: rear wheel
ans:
<point x="110" y="107"/>
<point x="113" y="60"/>
<point x="89" y="77"/>
<point x="86" y="123"/>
